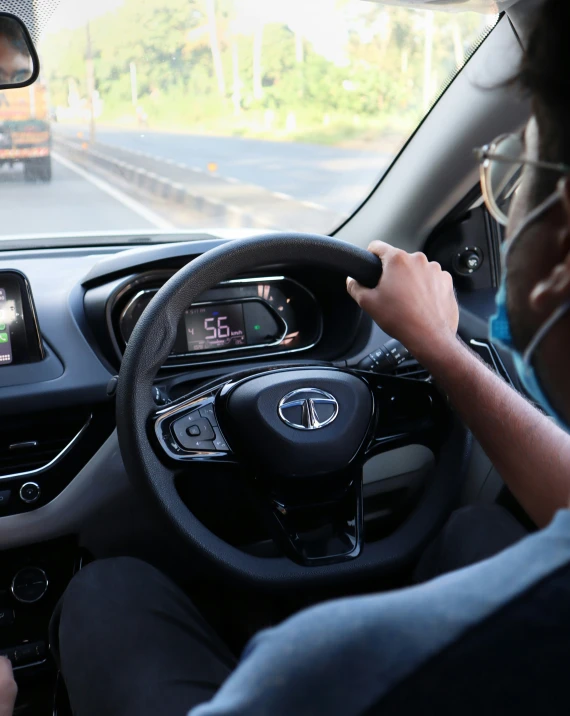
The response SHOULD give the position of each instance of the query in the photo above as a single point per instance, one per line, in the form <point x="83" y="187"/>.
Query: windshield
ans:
<point x="161" y="115"/>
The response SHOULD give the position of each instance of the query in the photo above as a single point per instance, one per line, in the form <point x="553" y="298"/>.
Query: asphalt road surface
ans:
<point x="78" y="200"/>
<point x="336" y="178"/>
<point x="74" y="201"/>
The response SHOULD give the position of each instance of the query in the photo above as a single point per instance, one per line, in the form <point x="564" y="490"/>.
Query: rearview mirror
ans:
<point x="19" y="64"/>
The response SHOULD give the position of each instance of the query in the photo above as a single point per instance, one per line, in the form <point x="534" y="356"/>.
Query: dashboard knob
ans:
<point x="468" y="260"/>
<point x="30" y="492"/>
<point x="29" y="585"/>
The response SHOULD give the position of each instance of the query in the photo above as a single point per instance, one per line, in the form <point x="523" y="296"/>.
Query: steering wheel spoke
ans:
<point x="189" y="430"/>
<point x="324" y="527"/>
<point x="406" y="412"/>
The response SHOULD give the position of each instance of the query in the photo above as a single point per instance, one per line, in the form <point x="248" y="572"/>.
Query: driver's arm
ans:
<point x="415" y="303"/>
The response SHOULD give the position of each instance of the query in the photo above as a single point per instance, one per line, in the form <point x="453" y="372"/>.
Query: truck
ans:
<point x="25" y="134"/>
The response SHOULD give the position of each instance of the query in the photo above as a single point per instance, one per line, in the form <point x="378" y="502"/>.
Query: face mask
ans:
<point x="500" y="329"/>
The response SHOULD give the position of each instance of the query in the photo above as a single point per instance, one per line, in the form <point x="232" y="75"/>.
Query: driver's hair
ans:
<point x="544" y="75"/>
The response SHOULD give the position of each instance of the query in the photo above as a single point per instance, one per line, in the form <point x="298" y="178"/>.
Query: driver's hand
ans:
<point x="8" y="688"/>
<point x="413" y="302"/>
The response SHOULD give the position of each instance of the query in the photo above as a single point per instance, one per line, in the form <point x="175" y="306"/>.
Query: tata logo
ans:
<point x="308" y="409"/>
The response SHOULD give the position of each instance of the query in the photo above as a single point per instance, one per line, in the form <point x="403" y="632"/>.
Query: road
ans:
<point x="72" y="202"/>
<point x="336" y="178"/>
<point x="78" y="200"/>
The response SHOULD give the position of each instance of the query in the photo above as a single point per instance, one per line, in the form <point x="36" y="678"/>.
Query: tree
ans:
<point x="186" y="51"/>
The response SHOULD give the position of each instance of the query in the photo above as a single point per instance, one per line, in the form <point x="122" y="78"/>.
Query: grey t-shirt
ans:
<point x="345" y="656"/>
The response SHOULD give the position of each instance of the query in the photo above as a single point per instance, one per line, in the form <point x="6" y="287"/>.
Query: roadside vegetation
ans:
<point x="342" y="72"/>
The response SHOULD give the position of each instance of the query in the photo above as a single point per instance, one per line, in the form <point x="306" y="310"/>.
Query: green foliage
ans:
<point x="379" y="86"/>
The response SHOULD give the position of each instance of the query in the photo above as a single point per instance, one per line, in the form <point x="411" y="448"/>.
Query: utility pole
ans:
<point x="90" y="84"/>
<point x="428" y="55"/>
<point x="257" y="52"/>
<point x="215" y="47"/>
<point x="134" y="90"/>
<point x="299" y="50"/>
<point x="457" y="44"/>
<point x="236" y="94"/>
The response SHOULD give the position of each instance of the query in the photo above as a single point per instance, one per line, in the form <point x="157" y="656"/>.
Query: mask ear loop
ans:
<point x="559" y="313"/>
<point x="530" y="218"/>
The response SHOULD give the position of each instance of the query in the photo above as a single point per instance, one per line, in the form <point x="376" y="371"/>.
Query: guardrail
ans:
<point x="229" y="214"/>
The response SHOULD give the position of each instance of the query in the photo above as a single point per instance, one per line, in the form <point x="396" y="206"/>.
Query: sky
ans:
<point x="317" y="20"/>
<point x="321" y="22"/>
<point x="74" y="13"/>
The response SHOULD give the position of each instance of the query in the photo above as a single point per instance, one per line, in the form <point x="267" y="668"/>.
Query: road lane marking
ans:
<point x="158" y="221"/>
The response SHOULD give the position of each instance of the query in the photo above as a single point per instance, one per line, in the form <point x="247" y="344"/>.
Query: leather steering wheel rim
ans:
<point x="148" y="348"/>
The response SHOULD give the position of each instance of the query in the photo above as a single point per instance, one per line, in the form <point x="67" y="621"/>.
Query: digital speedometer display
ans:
<point x="215" y="327"/>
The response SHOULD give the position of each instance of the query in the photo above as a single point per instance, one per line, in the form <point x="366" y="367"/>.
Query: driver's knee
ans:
<point x="471" y="534"/>
<point x="123" y="623"/>
<point x="107" y="585"/>
<point x="104" y="602"/>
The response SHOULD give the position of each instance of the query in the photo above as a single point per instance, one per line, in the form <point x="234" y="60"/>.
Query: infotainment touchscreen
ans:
<point x="7" y="319"/>
<point x="19" y="331"/>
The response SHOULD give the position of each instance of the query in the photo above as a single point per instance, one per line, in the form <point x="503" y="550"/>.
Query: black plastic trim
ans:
<point x="48" y="369"/>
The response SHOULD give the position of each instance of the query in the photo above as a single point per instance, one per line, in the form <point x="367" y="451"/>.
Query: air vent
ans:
<point x="489" y="354"/>
<point x="411" y="369"/>
<point x="31" y="444"/>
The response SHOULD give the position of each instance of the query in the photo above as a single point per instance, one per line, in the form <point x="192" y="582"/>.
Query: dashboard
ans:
<point x="68" y="316"/>
<point x="57" y="412"/>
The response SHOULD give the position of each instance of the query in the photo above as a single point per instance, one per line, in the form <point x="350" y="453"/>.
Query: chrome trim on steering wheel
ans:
<point x="310" y="415"/>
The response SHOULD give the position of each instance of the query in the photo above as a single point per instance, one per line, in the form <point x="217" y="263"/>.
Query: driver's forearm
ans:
<point x="530" y="452"/>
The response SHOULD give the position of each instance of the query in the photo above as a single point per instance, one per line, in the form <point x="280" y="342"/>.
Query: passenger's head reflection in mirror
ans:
<point x="15" y="58"/>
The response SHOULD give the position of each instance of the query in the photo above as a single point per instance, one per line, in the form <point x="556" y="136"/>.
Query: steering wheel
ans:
<point x="302" y="432"/>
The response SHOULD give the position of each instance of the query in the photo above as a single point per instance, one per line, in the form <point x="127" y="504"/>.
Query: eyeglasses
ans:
<point x="501" y="166"/>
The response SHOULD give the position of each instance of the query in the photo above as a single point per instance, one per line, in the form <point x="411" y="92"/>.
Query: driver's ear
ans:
<point x="554" y="290"/>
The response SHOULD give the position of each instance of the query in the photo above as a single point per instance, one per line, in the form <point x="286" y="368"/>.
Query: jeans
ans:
<point x="131" y="642"/>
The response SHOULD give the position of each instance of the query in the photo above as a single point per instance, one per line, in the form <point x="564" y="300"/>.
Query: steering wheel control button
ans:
<point x="193" y="432"/>
<point x="6" y="617"/>
<point x="208" y="412"/>
<point x="308" y="409"/>
<point x="219" y="443"/>
<point x="30" y="492"/>
<point x="29" y="585"/>
<point x="5" y="497"/>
